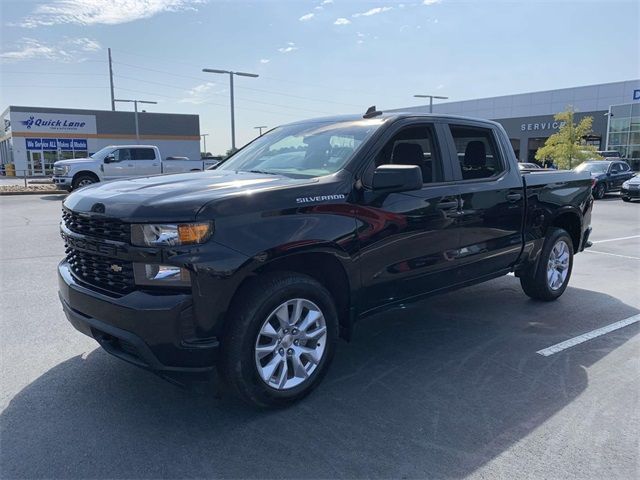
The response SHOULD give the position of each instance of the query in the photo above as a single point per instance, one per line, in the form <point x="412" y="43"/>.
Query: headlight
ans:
<point x="161" y="275"/>
<point x="176" y="234"/>
<point x="62" y="170"/>
<point x="625" y="184"/>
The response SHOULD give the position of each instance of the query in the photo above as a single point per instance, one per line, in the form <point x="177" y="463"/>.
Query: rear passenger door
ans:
<point x="145" y="161"/>
<point x="491" y="192"/>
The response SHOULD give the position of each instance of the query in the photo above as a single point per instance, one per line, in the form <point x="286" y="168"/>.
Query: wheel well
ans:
<point x="571" y="223"/>
<point x="87" y="173"/>
<point x="324" y="268"/>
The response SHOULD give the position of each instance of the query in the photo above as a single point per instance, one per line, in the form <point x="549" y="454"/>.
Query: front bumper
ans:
<point x="142" y="328"/>
<point x="629" y="193"/>
<point x="63" y="183"/>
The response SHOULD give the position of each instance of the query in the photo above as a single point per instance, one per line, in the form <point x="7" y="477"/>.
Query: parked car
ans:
<point x="606" y="175"/>
<point x="528" y="166"/>
<point x="260" y="265"/>
<point x="631" y="189"/>
<point x="609" y="154"/>
<point x="119" y="162"/>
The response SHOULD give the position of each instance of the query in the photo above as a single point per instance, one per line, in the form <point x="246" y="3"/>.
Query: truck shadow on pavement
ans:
<point x="434" y="390"/>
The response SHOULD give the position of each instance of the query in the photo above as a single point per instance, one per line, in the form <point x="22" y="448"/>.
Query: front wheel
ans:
<point x="83" y="180"/>
<point x="625" y="199"/>
<point x="280" y="339"/>
<point x="551" y="276"/>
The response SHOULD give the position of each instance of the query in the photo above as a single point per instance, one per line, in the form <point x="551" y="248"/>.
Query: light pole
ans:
<point x="135" y="108"/>
<point x="231" y="74"/>
<point x="431" y="97"/>
<point x="260" y="128"/>
<point x="204" y="139"/>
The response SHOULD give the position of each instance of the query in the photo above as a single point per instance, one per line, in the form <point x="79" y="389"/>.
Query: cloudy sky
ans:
<point x="314" y="58"/>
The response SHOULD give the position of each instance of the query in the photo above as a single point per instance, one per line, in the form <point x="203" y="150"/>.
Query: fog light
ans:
<point x="161" y="275"/>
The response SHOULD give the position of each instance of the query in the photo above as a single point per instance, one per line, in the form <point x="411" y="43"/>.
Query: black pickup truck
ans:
<point x="259" y="266"/>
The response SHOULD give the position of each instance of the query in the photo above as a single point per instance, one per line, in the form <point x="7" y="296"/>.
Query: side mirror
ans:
<point x="110" y="158"/>
<point x="397" y="178"/>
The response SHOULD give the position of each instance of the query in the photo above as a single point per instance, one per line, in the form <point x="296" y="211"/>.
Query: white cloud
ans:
<point x="306" y="17"/>
<point x="430" y="2"/>
<point x="327" y="2"/>
<point x="200" y="93"/>
<point x="342" y="21"/>
<point x="318" y="7"/>
<point x="264" y="60"/>
<point x="289" y="48"/>
<point x="440" y="87"/>
<point x="360" y="34"/>
<point x="107" y="12"/>
<point x="373" y="11"/>
<point x="65" y="50"/>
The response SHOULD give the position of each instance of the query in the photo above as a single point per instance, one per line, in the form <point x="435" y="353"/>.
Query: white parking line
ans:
<point x="615" y="239"/>
<point x="613" y="254"/>
<point x="572" y="342"/>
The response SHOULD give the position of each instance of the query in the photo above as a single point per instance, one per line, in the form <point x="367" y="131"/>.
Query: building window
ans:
<point x="515" y="144"/>
<point x="623" y="132"/>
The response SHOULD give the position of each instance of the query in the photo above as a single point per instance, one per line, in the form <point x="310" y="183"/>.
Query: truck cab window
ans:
<point x="122" y="154"/>
<point x="143" y="154"/>
<point x="477" y="152"/>
<point x="411" y="146"/>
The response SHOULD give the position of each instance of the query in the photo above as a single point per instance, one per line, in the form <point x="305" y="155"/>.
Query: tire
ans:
<point x="625" y="199"/>
<point x="250" y="348"/>
<point x="83" y="180"/>
<point x="600" y="191"/>
<point x="541" y="283"/>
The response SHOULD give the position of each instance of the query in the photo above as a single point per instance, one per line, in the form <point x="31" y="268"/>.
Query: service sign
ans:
<point x="52" y="123"/>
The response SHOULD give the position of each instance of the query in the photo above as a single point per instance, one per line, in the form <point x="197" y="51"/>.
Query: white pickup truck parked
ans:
<point x="121" y="161"/>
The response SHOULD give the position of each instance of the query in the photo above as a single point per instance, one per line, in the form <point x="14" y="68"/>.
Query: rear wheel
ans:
<point x="600" y="191"/>
<point x="550" y="279"/>
<point x="625" y="199"/>
<point x="280" y="340"/>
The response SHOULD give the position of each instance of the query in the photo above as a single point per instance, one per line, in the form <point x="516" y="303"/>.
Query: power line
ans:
<point x="50" y="86"/>
<point x="4" y="72"/>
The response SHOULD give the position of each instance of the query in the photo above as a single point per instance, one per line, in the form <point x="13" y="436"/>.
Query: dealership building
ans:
<point x="34" y="138"/>
<point x="529" y="120"/>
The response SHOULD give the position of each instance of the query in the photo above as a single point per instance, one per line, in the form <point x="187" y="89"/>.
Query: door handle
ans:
<point x="514" y="197"/>
<point x="129" y="164"/>
<point x="448" y="204"/>
<point x="155" y="164"/>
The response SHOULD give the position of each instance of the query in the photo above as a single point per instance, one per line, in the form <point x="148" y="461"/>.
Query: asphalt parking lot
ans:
<point x="449" y="387"/>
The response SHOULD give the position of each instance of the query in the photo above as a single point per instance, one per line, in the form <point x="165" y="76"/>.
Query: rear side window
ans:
<point x="477" y="152"/>
<point x="143" y="154"/>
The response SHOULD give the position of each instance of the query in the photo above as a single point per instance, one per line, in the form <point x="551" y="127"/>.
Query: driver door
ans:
<point x="123" y="165"/>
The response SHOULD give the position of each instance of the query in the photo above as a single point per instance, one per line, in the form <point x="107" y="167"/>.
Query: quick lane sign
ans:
<point x="52" y="122"/>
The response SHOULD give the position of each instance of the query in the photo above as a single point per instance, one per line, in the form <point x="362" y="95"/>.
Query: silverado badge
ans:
<point x="115" y="268"/>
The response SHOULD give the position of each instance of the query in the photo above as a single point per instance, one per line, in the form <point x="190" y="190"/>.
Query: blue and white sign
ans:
<point x="52" y="122"/>
<point x="79" y="144"/>
<point x="34" y="143"/>
<point x="49" y="144"/>
<point x="636" y="94"/>
<point x="64" y="144"/>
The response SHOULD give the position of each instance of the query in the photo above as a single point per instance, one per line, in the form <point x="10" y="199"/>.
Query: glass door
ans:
<point x="34" y="160"/>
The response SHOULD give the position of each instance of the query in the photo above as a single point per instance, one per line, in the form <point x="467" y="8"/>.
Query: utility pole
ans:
<point x="204" y="139"/>
<point x="260" y="128"/>
<point x="431" y="97"/>
<point x="135" y="108"/>
<point x="113" y="102"/>
<point x="231" y="74"/>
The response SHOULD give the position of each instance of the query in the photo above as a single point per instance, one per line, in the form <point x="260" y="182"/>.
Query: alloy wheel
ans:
<point x="290" y="344"/>
<point x="558" y="265"/>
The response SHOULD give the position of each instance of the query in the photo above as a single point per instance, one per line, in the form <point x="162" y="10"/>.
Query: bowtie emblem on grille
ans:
<point x="115" y="268"/>
<point x="98" y="208"/>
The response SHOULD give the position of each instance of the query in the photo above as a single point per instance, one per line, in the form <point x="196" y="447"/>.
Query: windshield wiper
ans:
<point x="260" y="171"/>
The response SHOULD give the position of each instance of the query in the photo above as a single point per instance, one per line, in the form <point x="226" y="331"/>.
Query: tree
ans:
<point x="567" y="148"/>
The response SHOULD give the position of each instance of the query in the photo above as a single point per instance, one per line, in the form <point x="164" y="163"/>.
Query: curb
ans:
<point x="36" y="192"/>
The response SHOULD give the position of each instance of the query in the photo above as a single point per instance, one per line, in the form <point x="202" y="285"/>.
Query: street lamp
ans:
<point x="135" y="108"/>
<point x="431" y="97"/>
<point x="260" y="128"/>
<point x="231" y="74"/>
<point x="204" y="139"/>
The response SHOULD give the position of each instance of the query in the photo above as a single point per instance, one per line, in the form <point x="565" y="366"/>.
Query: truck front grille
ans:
<point x="97" y="226"/>
<point x="102" y="272"/>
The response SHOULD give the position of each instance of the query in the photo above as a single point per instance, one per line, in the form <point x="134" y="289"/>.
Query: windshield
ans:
<point x="592" y="167"/>
<point x="304" y="149"/>
<point x="103" y="152"/>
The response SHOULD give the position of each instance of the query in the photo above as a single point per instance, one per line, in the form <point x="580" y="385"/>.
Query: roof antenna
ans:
<point x="372" y="112"/>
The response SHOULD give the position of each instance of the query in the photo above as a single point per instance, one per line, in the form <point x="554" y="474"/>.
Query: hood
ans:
<point x="170" y="198"/>
<point x="634" y="180"/>
<point x="72" y="161"/>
